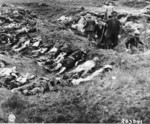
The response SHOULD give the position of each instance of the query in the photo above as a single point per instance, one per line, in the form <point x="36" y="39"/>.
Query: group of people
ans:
<point x="18" y="29"/>
<point x="107" y="35"/>
<point x="26" y="84"/>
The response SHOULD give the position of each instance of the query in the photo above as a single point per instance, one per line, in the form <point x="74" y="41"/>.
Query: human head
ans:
<point x="136" y="33"/>
<point x="95" y="58"/>
<point x="88" y="16"/>
<point x="114" y="14"/>
<point x="66" y="76"/>
<point x="25" y="92"/>
<point x="108" y="66"/>
<point x="82" y="49"/>
<point x="63" y="53"/>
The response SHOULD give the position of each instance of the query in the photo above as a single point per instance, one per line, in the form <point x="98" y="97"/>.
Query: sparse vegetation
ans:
<point x="106" y="101"/>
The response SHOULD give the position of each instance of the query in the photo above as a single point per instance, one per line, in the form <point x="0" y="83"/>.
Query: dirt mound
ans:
<point x="136" y="3"/>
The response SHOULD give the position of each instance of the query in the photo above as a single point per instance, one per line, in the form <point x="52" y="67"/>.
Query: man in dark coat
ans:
<point x="133" y="41"/>
<point x="112" y="31"/>
<point x="100" y="31"/>
<point x="90" y="28"/>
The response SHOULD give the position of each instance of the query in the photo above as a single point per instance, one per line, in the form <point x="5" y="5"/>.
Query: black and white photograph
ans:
<point x="75" y="61"/>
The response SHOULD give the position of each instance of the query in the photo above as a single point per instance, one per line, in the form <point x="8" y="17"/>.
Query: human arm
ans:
<point x="83" y="58"/>
<point x="128" y="42"/>
<point x="140" y="42"/>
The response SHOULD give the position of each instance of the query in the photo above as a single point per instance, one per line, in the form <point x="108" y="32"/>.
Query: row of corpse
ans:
<point x="29" y="84"/>
<point x="62" y="57"/>
<point x="25" y="83"/>
<point x="72" y="63"/>
<point x="16" y="25"/>
<point x="19" y="32"/>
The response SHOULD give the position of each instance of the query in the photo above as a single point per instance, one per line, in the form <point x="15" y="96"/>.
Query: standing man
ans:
<point x="112" y="31"/>
<point x="90" y="28"/>
<point x="133" y="41"/>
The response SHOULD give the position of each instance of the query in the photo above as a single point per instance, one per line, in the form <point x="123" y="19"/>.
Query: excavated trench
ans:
<point x="28" y="39"/>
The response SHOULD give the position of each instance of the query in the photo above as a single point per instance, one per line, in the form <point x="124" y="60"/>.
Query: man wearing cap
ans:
<point x="133" y="41"/>
<point x="90" y="28"/>
<point x="112" y="31"/>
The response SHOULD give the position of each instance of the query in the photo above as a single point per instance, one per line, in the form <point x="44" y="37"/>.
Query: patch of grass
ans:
<point x="15" y="104"/>
<point x="106" y="101"/>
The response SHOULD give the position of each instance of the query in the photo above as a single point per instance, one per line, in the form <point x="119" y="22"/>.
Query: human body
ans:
<point x="90" y="29"/>
<point x="133" y="42"/>
<point x="112" y="31"/>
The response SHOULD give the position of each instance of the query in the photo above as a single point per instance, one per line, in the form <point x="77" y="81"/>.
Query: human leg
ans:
<point x="62" y="70"/>
<point x="114" y="39"/>
<point x="89" y="36"/>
